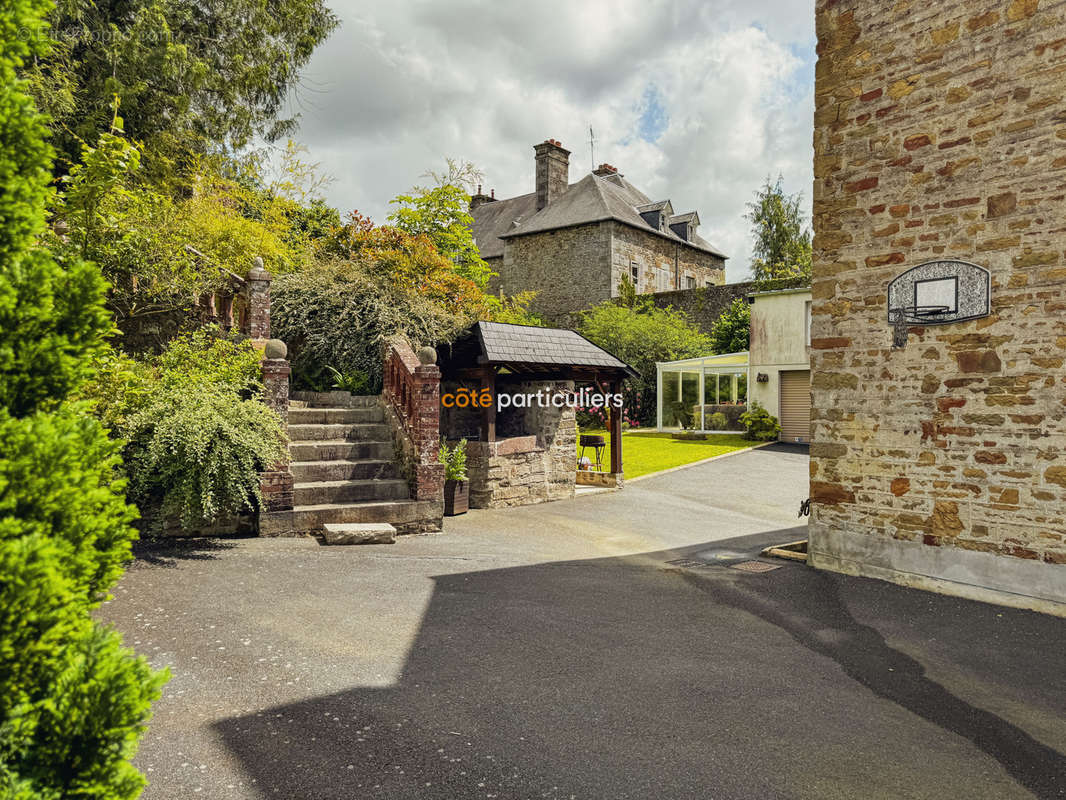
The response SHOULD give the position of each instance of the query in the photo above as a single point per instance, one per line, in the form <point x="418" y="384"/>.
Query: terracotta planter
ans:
<point x="456" y="498"/>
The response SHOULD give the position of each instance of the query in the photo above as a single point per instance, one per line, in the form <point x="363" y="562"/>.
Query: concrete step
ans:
<point x="335" y="399"/>
<point x="369" y="432"/>
<point x="336" y="450"/>
<point x="345" y="470"/>
<point x="323" y="492"/>
<point x="358" y="533"/>
<point x="401" y="513"/>
<point x="335" y="416"/>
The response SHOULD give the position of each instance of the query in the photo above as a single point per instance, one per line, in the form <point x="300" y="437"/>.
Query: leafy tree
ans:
<point x="410" y="262"/>
<point x="513" y="310"/>
<point x="160" y="250"/>
<point x="440" y="214"/>
<point x="640" y="337"/>
<point x="190" y="76"/>
<point x="782" y="241"/>
<point x="73" y="702"/>
<point x="730" y="332"/>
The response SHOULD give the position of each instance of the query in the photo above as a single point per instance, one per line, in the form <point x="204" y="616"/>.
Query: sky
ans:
<point x="695" y="101"/>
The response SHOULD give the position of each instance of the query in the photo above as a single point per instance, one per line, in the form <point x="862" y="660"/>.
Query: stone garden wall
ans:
<point x="533" y="459"/>
<point x="940" y="132"/>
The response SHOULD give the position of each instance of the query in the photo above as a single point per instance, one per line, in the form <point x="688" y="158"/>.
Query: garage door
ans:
<point x="796" y="406"/>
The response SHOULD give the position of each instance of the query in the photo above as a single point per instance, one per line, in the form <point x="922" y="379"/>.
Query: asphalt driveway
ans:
<point x="595" y="648"/>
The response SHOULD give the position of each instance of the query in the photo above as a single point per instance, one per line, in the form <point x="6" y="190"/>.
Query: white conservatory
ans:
<point x="706" y="394"/>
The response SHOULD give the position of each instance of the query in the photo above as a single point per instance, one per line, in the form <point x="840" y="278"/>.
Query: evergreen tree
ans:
<point x="782" y="241"/>
<point x="190" y="76"/>
<point x="72" y="701"/>
<point x="731" y="331"/>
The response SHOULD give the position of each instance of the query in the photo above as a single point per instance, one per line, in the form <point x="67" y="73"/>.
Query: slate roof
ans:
<point x="528" y="347"/>
<point x="594" y="198"/>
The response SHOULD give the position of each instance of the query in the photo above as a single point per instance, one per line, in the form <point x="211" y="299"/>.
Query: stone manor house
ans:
<point x="572" y="243"/>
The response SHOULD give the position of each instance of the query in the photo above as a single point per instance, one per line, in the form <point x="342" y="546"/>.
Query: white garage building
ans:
<point x="775" y="372"/>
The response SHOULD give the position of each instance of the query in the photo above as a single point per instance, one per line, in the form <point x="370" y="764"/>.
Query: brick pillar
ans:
<point x="258" y="301"/>
<point x="276" y="484"/>
<point x="426" y="433"/>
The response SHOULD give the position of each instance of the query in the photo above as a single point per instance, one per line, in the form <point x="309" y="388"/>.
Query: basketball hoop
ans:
<point x="902" y="318"/>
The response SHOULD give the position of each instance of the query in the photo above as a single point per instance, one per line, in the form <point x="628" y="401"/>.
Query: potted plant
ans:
<point x="456" y="486"/>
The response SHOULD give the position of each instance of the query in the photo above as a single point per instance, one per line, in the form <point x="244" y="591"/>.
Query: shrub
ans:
<point x="640" y="336"/>
<point x="454" y="460"/>
<point x="197" y="434"/>
<point x="340" y="314"/>
<point x="198" y="455"/>
<point x="759" y="424"/>
<point x="355" y="382"/>
<point x="73" y="702"/>
<point x="717" y="421"/>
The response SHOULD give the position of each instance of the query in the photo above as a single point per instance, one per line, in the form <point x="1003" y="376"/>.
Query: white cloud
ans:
<point x="403" y="85"/>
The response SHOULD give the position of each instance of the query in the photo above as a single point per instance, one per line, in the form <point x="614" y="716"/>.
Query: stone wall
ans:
<point x="534" y="463"/>
<point x="940" y="132"/>
<point x="571" y="269"/>
<point x="567" y="268"/>
<point x="704" y="305"/>
<point x="663" y="263"/>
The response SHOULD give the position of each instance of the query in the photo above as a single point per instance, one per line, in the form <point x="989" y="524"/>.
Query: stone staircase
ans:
<point x="345" y="472"/>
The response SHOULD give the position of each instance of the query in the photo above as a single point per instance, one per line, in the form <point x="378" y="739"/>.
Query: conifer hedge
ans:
<point x="73" y="701"/>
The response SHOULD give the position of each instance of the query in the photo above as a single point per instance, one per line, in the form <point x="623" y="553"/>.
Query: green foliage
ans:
<point x="355" y="382"/>
<point x="514" y="310"/>
<point x="441" y="215"/>
<point x="682" y="412"/>
<point x="642" y="336"/>
<point x="759" y="424"/>
<point x="730" y="332"/>
<point x="50" y="317"/>
<point x="197" y="434"/>
<point x="191" y="78"/>
<point x="717" y="421"/>
<point x="340" y="314"/>
<point x="454" y="460"/>
<point x="197" y="455"/>
<point x="73" y="703"/>
<point x="208" y="357"/>
<point x="160" y="249"/>
<point x="782" y="241"/>
<point x="627" y="293"/>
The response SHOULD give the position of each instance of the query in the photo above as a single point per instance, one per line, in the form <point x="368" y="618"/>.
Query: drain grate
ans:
<point x="754" y="566"/>
<point x="690" y="563"/>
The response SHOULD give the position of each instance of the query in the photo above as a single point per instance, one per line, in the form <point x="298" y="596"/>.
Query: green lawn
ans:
<point x="644" y="452"/>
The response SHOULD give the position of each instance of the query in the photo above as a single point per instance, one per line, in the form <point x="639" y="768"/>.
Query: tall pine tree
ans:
<point x="73" y="702"/>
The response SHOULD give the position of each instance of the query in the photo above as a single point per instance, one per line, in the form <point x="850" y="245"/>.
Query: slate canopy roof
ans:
<point x="526" y="350"/>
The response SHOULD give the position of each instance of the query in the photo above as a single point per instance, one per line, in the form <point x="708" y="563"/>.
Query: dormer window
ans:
<point x="656" y="214"/>
<point x="684" y="225"/>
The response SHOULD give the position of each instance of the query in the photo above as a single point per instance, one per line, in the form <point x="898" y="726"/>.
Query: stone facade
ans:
<point x="572" y="244"/>
<point x="568" y="268"/>
<point x="940" y="132"/>
<point x="532" y="461"/>
<point x="662" y="265"/>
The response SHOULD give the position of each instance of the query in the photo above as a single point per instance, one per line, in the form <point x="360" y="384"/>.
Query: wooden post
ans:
<point x="614" y="426"/>
<point x="488" y="418"/>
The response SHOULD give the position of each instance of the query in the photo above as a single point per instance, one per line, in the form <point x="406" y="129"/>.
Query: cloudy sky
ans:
<point x="695" y="101"/>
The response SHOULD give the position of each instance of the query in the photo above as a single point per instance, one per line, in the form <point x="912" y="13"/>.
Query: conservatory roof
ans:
<point x="726" y="360"/>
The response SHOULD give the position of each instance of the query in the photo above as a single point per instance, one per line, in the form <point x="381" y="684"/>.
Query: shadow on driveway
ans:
<point x="630" y="678"/>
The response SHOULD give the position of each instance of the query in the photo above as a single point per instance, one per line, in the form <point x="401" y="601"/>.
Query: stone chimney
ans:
<point x="605" y="169"/>
<point x="553" y="171"/>
<point x="480" y="199"/>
